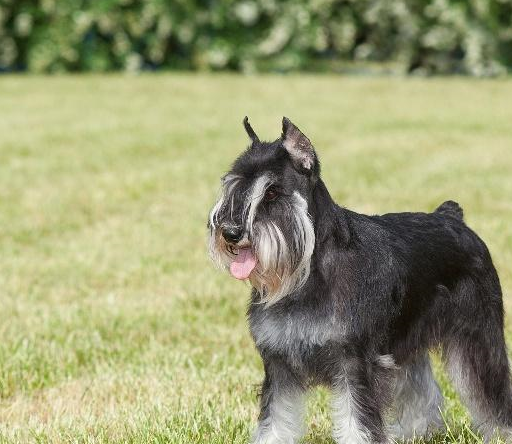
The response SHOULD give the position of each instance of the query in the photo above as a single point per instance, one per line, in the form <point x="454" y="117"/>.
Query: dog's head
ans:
<point x="260" y="228"/>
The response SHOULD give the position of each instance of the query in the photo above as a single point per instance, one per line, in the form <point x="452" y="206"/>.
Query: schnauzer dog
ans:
<point x="356" y="302"/>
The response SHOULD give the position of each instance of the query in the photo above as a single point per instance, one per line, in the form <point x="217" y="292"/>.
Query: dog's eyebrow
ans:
<point x="230" y="177"/>
<point x="256" y="194"/>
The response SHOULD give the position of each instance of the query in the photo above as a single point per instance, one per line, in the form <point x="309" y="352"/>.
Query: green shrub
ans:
<point x="438" y="36"/>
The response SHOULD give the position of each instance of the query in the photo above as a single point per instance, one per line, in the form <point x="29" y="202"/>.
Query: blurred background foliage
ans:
<point x="398" y="36"/>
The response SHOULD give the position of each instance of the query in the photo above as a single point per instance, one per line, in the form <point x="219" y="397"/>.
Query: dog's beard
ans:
<point x="283" y="267"/>
<point x="283" y="262"/>
<point x="217" y="247"/>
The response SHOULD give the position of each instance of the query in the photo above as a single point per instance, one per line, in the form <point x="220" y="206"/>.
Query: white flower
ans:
<point x="218" y="57"/>
<point x="363" y="51"/>
<point x="164" y="27"/>
<point x="133" y="63"/>
<point x="83" y="21"/>
<point x="276" y="40"/>
<point x="23" y="24"/>
<point x="185" y="33"/>
<point x="8" y="51"/>
<point x="247" y="12"/>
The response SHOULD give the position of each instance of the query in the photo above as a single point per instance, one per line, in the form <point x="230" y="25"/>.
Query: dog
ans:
<point x="355" y="302"/>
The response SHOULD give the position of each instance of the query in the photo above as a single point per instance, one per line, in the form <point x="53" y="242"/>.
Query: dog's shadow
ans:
<point x="461" y="436"/>
<point x="457" y="435"/>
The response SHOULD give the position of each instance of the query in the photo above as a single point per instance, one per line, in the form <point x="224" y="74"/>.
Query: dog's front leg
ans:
<point x="359" y="396"/>
<point x="281" y="408"/>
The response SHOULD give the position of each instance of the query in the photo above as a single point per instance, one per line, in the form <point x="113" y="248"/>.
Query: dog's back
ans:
<point x="447" y="293"/>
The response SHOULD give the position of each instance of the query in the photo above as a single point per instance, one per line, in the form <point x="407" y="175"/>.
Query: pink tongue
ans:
<point x="243" y="264"/>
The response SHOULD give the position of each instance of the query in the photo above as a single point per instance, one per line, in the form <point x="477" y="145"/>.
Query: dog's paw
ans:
<point x="268" y="437"/>
<point x="399" y="433"/>
<point x="273" y="440"/>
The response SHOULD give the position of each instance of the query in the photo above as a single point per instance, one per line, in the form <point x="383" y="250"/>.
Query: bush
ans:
<point x="419" y="36"/>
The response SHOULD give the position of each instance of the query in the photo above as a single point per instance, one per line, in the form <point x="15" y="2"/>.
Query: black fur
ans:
<point x="394" y="285"/>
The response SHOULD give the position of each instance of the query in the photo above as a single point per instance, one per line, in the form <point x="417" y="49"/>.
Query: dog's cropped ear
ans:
<point x="250" y="131"/>
<point x="298" y="146"/>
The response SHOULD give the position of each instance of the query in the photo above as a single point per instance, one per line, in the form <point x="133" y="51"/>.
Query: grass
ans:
<point x="114" y="327"/>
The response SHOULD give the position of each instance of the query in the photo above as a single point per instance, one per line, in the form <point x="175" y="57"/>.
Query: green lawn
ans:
<point x="114" y="326"/>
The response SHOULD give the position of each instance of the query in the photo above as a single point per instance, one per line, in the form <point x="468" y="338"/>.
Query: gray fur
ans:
<point x="355" y="302"/>
<point x="418" y="401"/>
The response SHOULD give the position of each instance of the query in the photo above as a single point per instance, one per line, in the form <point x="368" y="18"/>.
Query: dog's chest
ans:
<point x="293" y="334"/>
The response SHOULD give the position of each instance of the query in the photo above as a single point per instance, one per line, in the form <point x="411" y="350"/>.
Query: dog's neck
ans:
<point x="329" y="219"/>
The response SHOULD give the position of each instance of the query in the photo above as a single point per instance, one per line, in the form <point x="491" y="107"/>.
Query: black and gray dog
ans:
<point x="355" y="302"/>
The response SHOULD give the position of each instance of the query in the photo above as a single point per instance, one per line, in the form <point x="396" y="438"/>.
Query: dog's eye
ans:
<point x="270" y="194"/>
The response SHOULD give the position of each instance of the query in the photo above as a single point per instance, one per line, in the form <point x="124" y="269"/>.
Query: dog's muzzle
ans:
<point x="243" y="261"/>
<point x="232" y="234"/>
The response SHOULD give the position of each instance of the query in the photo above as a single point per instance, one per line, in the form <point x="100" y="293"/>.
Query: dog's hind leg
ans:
<point x="480" y="372"/>
<point x="476" y="358"/>
<point x="417" y="400"/>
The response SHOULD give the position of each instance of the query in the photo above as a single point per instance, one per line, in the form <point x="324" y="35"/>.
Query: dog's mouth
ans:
<point x="243" y="261"/>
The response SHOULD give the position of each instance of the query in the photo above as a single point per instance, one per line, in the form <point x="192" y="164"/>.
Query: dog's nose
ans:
<point x="232" y="234"/>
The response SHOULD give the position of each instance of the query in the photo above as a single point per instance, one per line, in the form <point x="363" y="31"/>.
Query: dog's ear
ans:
<point x="298" y="146"/>
<point x="248" y="128"/>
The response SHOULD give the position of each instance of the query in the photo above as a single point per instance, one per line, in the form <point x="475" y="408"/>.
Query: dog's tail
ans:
<point x="451" y="208"/>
